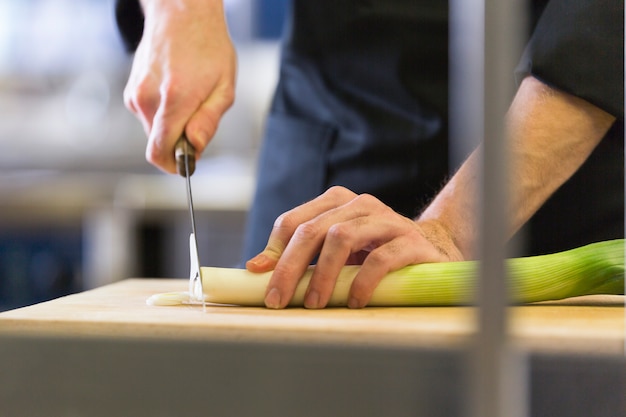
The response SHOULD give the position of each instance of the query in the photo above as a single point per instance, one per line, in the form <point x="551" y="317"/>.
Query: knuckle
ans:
<point x="307" y="231"/>
<point x="274" y="249"/>
<point x="285" y="221"/>
<point x="228" y="96"/>
<point x="367" y="198"/>
<point x="144" y="95"/>
<point x="173" y="87"/>
<point x="155" y="152"/>
<point x="381" y="256"/>
<point x="128" y="98"/>
<point x="154" y="156"/>
<point x="339" y="232"/>
<point x="285" y="274"/>
<point x="337" y="192"/>
<point x="368" y="201"/>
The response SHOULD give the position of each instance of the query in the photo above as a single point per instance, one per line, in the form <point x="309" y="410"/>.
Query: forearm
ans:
<point x="551" y="134"/>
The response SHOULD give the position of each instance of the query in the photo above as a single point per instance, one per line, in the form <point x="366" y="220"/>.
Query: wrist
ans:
<point x="441" y="238"/>
<point x="169" y="8"/>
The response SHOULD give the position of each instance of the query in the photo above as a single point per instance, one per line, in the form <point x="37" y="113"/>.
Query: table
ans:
<point x="295" y="361"/>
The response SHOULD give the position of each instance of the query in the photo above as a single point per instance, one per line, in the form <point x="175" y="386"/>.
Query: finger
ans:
<point x="287" y="223"/>
<point x="168" y="125"/>
<point x="378" y="263"/>
<point x="306" y="242"/>
<point x="356" y="235"/>
<point x="403" y="250"/>
<point x="294" y="250"/>
<point x="339" y="244"/>
<point x="177" y="113"/>
<point x="161" y="142"/>
<point x="371" y="226"/>
<point x="294" y="261"/>
<point x="203" y="124"/>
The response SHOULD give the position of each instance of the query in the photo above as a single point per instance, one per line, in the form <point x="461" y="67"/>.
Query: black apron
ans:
<point x="361" y="102"/>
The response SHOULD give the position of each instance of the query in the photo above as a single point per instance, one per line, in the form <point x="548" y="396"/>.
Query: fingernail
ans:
<point x="259" y="261"/>
<point x="272" y="299"/>
<point x="353" y="302"/>
<point x="312" y="299"/>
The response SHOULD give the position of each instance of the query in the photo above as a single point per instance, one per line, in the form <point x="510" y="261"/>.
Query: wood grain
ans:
<point x="593" y="324"/>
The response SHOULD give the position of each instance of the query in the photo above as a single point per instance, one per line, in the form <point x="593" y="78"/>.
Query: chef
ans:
<point x="362" y="103"/>
<point x="570" y="102"/>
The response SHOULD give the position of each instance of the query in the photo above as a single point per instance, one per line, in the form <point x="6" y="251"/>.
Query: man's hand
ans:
<point x="183" y="75"/>
<point x="342" y="228"/>
<point x="552" y="133"/>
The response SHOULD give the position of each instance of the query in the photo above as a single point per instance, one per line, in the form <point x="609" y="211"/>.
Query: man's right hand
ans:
<point x="183" y="75"/>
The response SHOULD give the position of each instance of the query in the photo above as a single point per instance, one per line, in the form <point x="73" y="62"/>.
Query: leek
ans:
<point x="597" y="268"/>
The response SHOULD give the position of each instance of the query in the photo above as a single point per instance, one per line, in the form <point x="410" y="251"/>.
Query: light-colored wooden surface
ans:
<point x="582" y="325"/>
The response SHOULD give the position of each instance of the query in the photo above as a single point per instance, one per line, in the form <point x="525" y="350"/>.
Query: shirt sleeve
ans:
<point x="578" y="47"/>
<point x="129" y="18"/>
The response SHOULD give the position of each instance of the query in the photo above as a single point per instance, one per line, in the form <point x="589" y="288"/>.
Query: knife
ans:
<point x="185" y="156"/>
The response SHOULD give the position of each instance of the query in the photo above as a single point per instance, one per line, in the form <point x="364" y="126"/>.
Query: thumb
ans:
<point x="204" y="122"/>
<point x="166" y="130"/>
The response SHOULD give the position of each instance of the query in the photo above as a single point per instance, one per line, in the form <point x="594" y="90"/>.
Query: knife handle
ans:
<point x="182" y="151"/>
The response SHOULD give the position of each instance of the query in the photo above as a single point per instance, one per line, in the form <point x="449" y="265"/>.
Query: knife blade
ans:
<point x="185" y="156"/>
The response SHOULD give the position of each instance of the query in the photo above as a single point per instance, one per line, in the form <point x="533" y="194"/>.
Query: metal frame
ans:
<point x="485" y="45"/>
<point x="104" y="377"/>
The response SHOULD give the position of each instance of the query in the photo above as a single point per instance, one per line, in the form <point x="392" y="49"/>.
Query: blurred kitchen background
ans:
<point x="79" y="205"/>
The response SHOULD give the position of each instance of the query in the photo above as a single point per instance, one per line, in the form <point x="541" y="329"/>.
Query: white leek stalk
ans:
<point x="593" y="269"/>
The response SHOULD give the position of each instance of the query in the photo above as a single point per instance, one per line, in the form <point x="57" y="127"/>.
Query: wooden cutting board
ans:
<point x="593" y="324"/>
